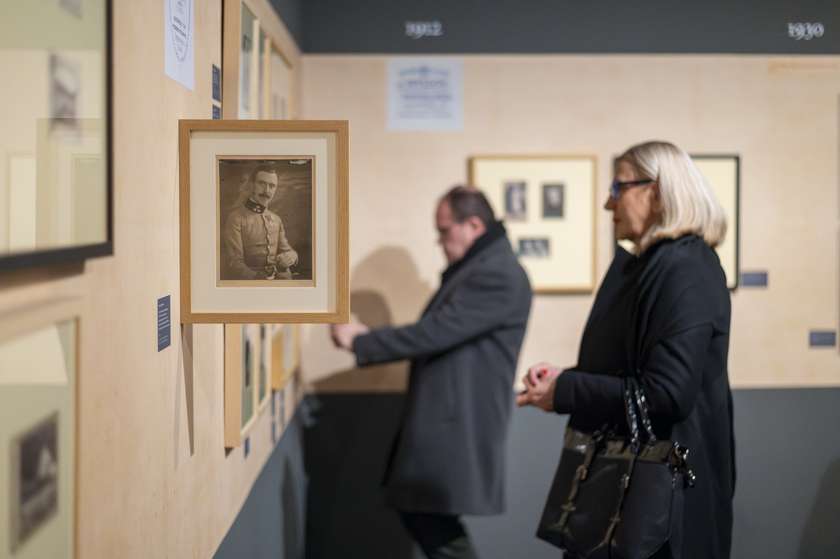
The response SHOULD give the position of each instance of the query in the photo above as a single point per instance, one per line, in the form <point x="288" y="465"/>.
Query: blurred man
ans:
<point x="448" y="458"/>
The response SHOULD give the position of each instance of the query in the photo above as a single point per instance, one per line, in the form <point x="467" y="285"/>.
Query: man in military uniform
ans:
<point x="254" y="244"/>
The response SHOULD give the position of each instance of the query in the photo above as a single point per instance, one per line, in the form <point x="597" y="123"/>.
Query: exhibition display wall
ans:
<point x="138" y="440"/>
<point x="777" y="114"/>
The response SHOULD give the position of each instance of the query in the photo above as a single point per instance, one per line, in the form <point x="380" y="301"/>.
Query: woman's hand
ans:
<point x="540" y="381"/>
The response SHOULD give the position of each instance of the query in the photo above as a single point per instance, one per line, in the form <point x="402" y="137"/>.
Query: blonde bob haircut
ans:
<point x="687" y="203"/>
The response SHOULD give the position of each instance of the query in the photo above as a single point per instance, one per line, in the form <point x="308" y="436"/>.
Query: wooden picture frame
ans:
<point x="285" y="354"/>
<point x="239" y="81"/>
<point x="266" y="288"/>
<point x="242" y="405"/>
<point x="78" y="64"/>
<point x="548" y="204"/>
<point x="39" y="403"/>
<point x="723" y="173"/>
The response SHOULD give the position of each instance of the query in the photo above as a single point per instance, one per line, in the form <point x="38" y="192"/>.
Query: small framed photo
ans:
<point x="534" y="248"/>
<point x="264" y="221"/>
<point x="516" y="200"/>
<point x="553" y="195"/>
<point x="35" y="477"/>
<point x="549" y="211"/>
<point x="243" y="382"/>
<point x="39" y="359"/>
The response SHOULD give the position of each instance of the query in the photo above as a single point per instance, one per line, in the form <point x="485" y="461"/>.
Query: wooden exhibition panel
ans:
<point x="150" y="424"/>
<point x="779" y="114"/>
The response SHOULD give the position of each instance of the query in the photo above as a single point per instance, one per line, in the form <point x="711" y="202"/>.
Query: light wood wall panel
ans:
<point x="154" y="477"/>
<point x="780" y="114"/>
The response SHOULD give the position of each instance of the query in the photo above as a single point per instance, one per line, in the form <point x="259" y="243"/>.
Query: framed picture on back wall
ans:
<point x="548" y="205"/>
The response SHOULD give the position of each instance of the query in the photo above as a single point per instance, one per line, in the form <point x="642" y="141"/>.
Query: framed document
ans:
<point x="55" y="159"/>
<point x="548" y="205"/>
<point x="264" y="221"/>
<point x="38" y="400"/>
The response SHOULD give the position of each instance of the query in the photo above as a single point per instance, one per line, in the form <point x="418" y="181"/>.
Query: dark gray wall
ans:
<point x="320" y="486"/>
<point x="291" y="12"/>
<point x="271" y="522"/>
<point x="787" y="497"/>
<point x="568" y="26"/>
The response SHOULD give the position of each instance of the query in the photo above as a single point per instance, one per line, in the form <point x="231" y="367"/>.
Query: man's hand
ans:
<point x="287" y="259"/>
<point x="344" y="334"/>
<point x="540" y="382"/>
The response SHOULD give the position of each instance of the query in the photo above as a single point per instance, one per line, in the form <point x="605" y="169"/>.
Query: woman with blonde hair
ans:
<point x="663" y="312"/>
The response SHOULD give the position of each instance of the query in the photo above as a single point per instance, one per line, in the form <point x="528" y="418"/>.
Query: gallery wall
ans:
<point x="779" y="114"/>
<point x="154" y="478"/>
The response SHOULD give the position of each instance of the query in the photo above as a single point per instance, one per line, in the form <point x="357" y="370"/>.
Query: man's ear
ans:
<point x="477" y="225"/>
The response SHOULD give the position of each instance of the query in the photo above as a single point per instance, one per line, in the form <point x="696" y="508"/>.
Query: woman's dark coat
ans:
<point x="668" y="310"/>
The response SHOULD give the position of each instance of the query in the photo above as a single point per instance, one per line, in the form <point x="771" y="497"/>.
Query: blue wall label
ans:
<point x="164" y="323"/>
<point x="754" y="279"/>
<point x="217" y="84"/>
<point x="822" y="338"/>
<point x="217" y="112"/>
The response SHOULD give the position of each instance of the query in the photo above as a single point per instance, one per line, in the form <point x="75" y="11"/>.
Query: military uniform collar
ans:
<point x="255" y="207"/>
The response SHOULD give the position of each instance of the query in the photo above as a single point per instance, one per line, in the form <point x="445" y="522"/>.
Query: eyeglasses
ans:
<point x="617" y="186"/>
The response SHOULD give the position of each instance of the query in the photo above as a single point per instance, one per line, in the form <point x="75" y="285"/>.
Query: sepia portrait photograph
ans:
<point x="534" y="248"/>
<point x="516" y="204"/>
<point x="34" y="479"/>
<point x="553" y="196"/>
<point x="265" y="221"/>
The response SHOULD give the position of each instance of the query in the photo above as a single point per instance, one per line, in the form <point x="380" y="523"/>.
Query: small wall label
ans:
<point x="164" y="323"/>
<point x="822" y="338"/>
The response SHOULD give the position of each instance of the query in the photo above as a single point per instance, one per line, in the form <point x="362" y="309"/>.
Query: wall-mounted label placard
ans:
<point x="164" y="323"/>
<point x="179" y="55"/>
<point x="425" y="94"/>
<point x="822" y="338"/>
<point x="217" y="84"/>
<point x="754" y="279"/>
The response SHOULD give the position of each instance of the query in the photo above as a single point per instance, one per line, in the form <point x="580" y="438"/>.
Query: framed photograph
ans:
<point x="58" y="160"/>
<point x="723" y="173"/>
<point x="242" y="383"/>
<point x="264" y="221"/>
<point x="548" y="205"/>
<point x="38" y="402"/>
<point x="285" y="354"/>
<point x="553" y="195"/>
<point x="516" y="201"/>
<point x="263" y="380"/>
<point x="257" y="81"/>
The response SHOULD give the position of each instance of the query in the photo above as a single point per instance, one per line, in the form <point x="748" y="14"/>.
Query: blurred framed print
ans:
<point x="38" y="402"/>
<point x="723" y="173"/>
<point x="548" y="205"/>
<point x="243" y="385"/>
<point x="55" y="159"/>
<point x="285" y="354"/>
<point x="264" y="221"/>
